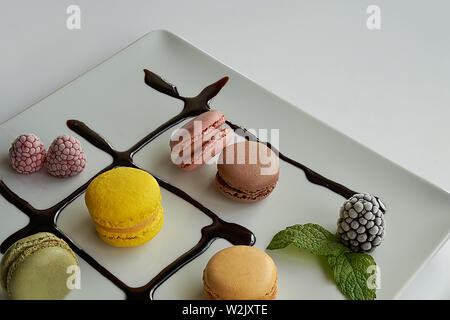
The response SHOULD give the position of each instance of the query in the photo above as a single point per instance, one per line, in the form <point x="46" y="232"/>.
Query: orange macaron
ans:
<point x="240" y="273"/>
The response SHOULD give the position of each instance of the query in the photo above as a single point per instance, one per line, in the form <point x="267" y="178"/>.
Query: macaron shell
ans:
<point x="185" y="147"/>
<point x="41" y="274"/>
<point x="209" y="149"/>
<point x="137" y="238"/>
<point x="272" y="295"/>
<point x="35" y="267"/>
<point x="18" y="248"/>
<point x="248" y="166"/>
<point x="123" y="197"/>
<point x="209" y="119"/>
<point x="240" y="272"/>
<point x="242" y="196"/>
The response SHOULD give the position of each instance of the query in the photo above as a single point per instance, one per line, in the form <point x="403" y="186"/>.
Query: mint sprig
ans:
<point x="351" y="274"/>
<point x="312" y="237"/>
<point x="351" y="270"/>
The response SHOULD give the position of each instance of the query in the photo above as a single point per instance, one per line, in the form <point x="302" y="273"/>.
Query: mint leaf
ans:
<point x="311" y="237"/>
<point x="351" y="270"/>
<point x="351" y="273"/>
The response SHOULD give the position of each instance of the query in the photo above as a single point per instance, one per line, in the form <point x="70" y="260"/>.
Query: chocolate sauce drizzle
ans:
<point x="311" y="175"/>
<point x="46" y="220"/>
<point x="159" y="84"/>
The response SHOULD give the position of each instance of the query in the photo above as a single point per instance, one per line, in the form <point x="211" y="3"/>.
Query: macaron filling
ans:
<point x="205" y="135"/>
<point x="200" y="144"/>
<point x="133" y="229"/>
<point x="212" y="143"/>
<point x="136" y="228"/>
<point x="246" y="195"/>
<point x="144" y="231"/>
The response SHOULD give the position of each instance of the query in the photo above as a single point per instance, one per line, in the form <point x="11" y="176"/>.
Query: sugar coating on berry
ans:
<point x="361" y="225"/>
<point x="65" y="157"/>
<point x="27" y="154"/>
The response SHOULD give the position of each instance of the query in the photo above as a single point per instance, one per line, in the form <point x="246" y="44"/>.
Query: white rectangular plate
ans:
<point x="113" y="100"/>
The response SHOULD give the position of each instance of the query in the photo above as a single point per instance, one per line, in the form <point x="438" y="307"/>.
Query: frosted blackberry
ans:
<point x="361" y="223"/>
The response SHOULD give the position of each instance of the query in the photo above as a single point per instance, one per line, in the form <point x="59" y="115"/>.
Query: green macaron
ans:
<point x="36" y="268"/>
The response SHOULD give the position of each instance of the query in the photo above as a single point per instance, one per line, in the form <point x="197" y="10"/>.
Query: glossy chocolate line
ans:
<point x="144" y="292"/>
<point x="311" y="175"/>
<point x="40" y="220"/>
<point x="193" y="106"/>
<point x="157" y="83"/>
<point x="209" y="234"/>
<point x="201" y="104"/>
<point x="149" y="289"/>
<point x="46" y="220"/>
<point x="90" y="135"/>
<point x="155" y="133"/>
<point x="20" y="204"/>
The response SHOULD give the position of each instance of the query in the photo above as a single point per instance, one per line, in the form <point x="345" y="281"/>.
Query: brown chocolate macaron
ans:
<point x="247" y="171"/>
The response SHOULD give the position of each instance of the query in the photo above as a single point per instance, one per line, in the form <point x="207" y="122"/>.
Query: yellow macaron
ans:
<point x="240" y="273"/>
<point x="125" y="204"/>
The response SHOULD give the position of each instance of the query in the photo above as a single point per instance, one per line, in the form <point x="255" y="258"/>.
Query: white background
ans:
<point x="388" y="88"/>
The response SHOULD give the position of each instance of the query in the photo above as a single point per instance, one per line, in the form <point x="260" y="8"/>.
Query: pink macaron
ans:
<point x="199" y="140"/>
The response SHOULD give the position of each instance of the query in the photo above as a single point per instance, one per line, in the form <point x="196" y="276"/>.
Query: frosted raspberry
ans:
<point x="27" y="154"/>
<point x="65" y="158"/>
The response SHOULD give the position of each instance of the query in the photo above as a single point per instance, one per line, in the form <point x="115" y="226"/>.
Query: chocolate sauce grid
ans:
<point x="46" y="220"/>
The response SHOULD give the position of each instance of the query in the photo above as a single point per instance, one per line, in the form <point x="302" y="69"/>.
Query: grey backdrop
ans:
<point x="388" y="89"/>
